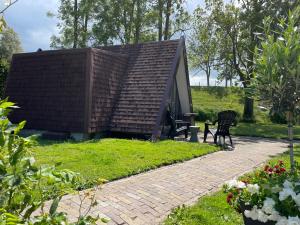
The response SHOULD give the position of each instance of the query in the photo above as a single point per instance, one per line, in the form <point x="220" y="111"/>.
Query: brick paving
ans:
<point x="147" y="198"/>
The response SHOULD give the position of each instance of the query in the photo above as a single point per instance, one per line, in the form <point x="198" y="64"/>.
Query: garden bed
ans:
<point x="213" y="209"/>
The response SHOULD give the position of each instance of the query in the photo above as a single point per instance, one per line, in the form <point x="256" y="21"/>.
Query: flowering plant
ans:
<point x="272" y="195"/>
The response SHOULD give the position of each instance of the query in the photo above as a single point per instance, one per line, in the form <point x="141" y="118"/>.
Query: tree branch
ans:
<point x="12" y="3"/>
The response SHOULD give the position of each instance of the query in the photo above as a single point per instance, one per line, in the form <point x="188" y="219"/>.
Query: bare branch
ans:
<point x="12" y="3"/>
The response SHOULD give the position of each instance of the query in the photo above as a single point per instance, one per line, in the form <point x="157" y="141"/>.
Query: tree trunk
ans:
<point x="290" y="137"/>
<point x="137" y="22"/>
<point x="226" y="82"/>
<point x="248" y="109"/>
<point x="85" y="30"/>
<point x="75" y="43"/>
<point x="168" y="15"/>
<point x="207" y="78"/>
<point x="160" y="20"/>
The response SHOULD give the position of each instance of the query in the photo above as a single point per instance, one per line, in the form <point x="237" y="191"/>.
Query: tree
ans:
<point x="277" y="68"/>
<point x="240" y="25"/>
<point x="9" y="44"/>
<point x="7" y="5"/>
<point x="4" y="66"/>
<point x="173" y="16"/>
<point x="203" y="43"/>
<point x="75" y="17"/>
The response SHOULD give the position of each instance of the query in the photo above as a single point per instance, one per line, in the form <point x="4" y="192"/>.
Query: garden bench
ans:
<point x="225" y="120"/>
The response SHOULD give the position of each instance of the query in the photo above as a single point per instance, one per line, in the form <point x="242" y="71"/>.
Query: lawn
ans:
<point x="269" y="130"/>
<point x="208" y="101"/>
<point x="213" y="209"/>
<point x="115" y="158"/>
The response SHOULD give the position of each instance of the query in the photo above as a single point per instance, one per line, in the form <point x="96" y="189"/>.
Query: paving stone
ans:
<point x="147" y="199"/>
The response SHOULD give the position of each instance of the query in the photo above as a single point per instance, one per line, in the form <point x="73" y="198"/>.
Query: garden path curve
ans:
<point x="148" y="198"/>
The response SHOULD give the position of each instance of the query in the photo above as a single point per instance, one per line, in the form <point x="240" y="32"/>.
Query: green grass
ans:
<point x="213" y="209"/>
<point x="209" y="210"/>
<point x="115" y="158"/>
<point x="208" y="101"/>
<point x="269" y="130"/>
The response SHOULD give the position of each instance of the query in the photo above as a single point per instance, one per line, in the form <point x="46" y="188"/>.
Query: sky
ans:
<point x="29" y="19"/>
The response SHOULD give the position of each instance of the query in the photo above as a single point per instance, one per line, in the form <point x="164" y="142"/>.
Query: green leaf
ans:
<point x="54" y="205"/>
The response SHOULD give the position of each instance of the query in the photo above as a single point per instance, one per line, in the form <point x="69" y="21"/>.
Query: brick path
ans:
<point x="148" y="198"/>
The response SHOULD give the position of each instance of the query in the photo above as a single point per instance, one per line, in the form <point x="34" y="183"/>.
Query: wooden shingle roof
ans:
<point x="149" y="69"/>
<point x="122" y="89"/>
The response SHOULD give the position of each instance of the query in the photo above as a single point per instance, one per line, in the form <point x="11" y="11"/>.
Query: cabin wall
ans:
<point x="107" y="74"/>
<point x="49" y="89"/>
<point x="183" y="87"/>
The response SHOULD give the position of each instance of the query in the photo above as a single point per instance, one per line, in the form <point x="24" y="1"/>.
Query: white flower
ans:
<point x="241" y="185"/>
<point x="282" y="221"/>
<point x="262" y="217"/>
<point x="297" y="199"/>
<point x="287" y="184"/>
<point x="253" y="213"/>
<point x="285" y="193"/>
<point x="235" y="183"/>
<point x="274" y="216"/>
<point x="293" y="221"/>
<point x="253" y="188"/>
<point x="232" y="183"/>
<point x="268" y="206"/>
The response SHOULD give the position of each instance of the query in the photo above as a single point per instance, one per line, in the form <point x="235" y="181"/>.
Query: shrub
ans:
<point x="25" y="187"/>
<point x="4" y="66"/>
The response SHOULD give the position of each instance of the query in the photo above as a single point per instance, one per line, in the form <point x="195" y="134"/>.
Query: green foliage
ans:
<point x="74" y="17"/>
<point x="104" y="22"/>
<point x="277" y="65"/>
<point x="203" y="44"/>
<point x="24" y="186"/>
<point x="115" y="158"/>
<point x="208" y="101"/>
<point x="209" y="210"/>
<point x="9" y="44"/>
<point x="266" y="130"/>
<point x="4" y="67"/>
<point x="2" y="23"/>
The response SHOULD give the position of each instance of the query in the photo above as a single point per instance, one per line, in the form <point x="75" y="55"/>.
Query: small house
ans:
<point x="115" y="90"/>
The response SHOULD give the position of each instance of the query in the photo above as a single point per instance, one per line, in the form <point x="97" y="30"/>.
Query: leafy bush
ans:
<point x="4" y="66"/>
<point x="25" y="187"/>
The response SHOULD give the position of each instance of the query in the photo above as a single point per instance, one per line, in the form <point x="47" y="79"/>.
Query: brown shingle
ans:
<point x="149" y="68"/>
<point x="116" y="88"/>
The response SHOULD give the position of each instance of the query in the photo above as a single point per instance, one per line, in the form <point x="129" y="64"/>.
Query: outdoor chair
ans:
<point x="177" y="126"/>
<point x="225" y="120"/>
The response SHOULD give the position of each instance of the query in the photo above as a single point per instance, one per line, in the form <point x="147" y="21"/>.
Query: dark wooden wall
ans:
<point x="108" y="72"/>
<point x="49" y="89"/>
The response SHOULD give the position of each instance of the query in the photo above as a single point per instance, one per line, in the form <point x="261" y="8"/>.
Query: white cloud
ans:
<point x="28" y="18"/>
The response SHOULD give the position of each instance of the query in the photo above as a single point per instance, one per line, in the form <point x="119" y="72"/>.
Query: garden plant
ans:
<point x="270" y="196"/>
<point x="25" y="188"/>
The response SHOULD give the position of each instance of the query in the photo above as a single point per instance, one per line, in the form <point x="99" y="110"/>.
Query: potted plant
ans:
<point x="271" y="196"/>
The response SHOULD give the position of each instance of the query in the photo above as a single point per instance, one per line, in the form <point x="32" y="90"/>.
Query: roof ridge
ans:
<point x="142" y="43"/>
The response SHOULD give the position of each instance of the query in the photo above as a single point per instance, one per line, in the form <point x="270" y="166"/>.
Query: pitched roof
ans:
<point x="149" y="69"/>
<point x="115" y="88"/>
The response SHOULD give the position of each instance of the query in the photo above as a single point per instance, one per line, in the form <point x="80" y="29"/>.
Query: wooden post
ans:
<point x="290" y="138"/>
